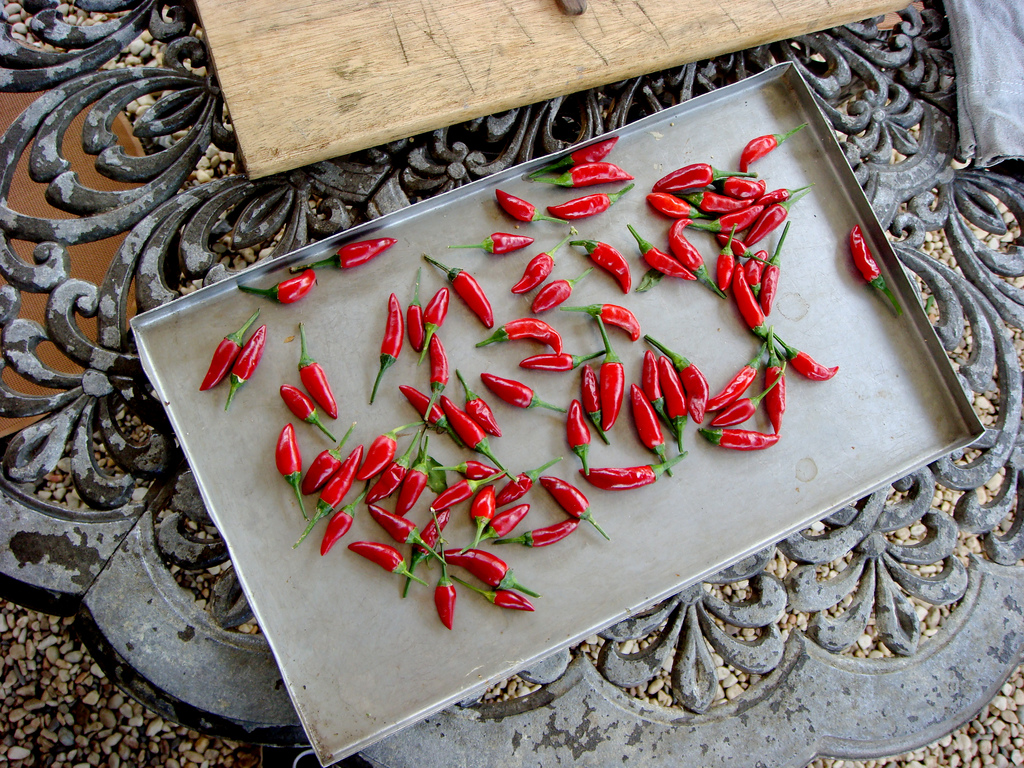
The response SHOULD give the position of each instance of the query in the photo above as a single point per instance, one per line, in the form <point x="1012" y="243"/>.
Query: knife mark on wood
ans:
<point x="398" y="34"/>
<point x="653" y="24"/>
<point x="590" y="45"/>
<point x="512" y="13"/>
<point x="450" y="50"/>
<point x="730" y="18"/>
<point x="776" y="7"/>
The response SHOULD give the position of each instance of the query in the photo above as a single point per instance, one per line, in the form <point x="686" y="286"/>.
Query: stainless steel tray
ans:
<point x="361" y="663"/>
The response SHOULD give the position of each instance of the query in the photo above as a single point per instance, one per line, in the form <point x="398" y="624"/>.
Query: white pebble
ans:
<point x="136" y="47"/>
<point x="18" y="753"/>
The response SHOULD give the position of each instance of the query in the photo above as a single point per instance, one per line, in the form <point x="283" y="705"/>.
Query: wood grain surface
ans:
<point x="314" y="80"/>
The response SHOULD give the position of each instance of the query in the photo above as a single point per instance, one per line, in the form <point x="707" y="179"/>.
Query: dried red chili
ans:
<point x="520" y="209"/>
<point x="770" y="219"/>
<point x="499" y="243"/>
<point x="381" y="452"/>
<point x="556" y="292"/>
<point x="762" y="145"/>
<point x="289" y="462"/>
<point x="658" y="260"/>
<point x="433" y="318"/>
<point x="562" y="362"/>
<point x="302" y="406"/>
<point x="612" y="382"/>
<point x="386" y="556"/>
<point x="391" y="344"/>
<point x="739" y="439"/>
<point x="516" y="393"/>
<point x="519" y="486"/>
<point x="314" y="379"/>
<point x="868" y="267"/>
<point x="248" y="359"/>
<point x="610" y="260"/>
<point x="469" y="290"/>
<point x="611" y="314"/>
<point x="590" y="392"/>
<point x="352" y="254"/>
<point x="588" y="205"/>
<point x="628" y="478"/>
<point x="546" y="536"/>
<point x="571" y="500"/>
<point x="539" y="267"/>
<point x="577" y="433"/>
<point x="490" y="569"/>
<point x="478" y="408"/>
<point x="324" y="466"/>
<point x="287" y="291"/>
<point x="526" y="328"/>
<point x="694" y="383"/>
<point x="589" y="154"/>
<point x="691" y="178"/>
<point x="414" y="318"/>
<point x="688" y="255"/>
<point x="502" y="598"/>
<point x="587" y="175"/>
<point x="676" y="408"/>
<point x="226" y="354"/>
<point x="339" y="524"/>
<point x="738" y="384"/>
<point x="468" y="430"/>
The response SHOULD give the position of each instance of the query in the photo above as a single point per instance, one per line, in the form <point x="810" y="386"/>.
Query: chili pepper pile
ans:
<point x="666" y="390"/>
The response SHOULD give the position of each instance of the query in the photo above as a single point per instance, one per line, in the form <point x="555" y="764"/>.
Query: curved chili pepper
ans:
<point x="248" y="359"/>
<point x="571" y="500"/>
<point x="775" y="383"/>
<point x="543" y="537"/>
<point x="651" y="386"/>
<point x="414" y="318"/>
<point x="339" y="484"/>
<point x="590" y="395"/>
<point x="613" y="382"/>
<point x="751" y="311"/>
<point x="694" y="383"/>
<point x="609" y="260"/>
<point x="287" y="291"/>
<point x="352" y="254"/>
<point x="381" y="452"/>
<point x="738" y="384"/>
<point x="589" y="154"/>
<point x="628" y="478"/>
<point x="433" y="318"/>
<point x="473" y="470"/>
<point x="502" y="598"/>
<point x="391" y="478"/>
<point x="740" y="219"/>
<point x="526" y="328"/>
<point x="490" y="569"/>
<point x="762" y="145"/>
<point x="391" y="344"/>
<point x="672" y="206"/>
<point x="588" y="205"/>
<point x="806" y="365"/>
<point x="770" y="219"/>
<point x="444" y="597"/>
<point x="431" y="534"/>
<point x="770" y="276"/>
<point x="499" y="243"/>
<point x="478" y="408"/>
<point x="659" y="260"/>
<point x="302" y="406"/>
<point x="339" y="524"/>
<point x="868" y="267"/>
<point x="437" y="419"/>
<point x="289" y="462"/>
<point x="468" y="430"/>
<point x="516" y="393"/>
<point x="778" y="196"/>
<point x="398" y="528"/>
<point x="415" y="480"/>
<point x="386" y="556"/>
<point x="469" y="290"/>
<point x="713" y="202"/>
<point x="688" y="255"/>
<point x="741" y="188"/>
<point x="520" y="209"/>
<point x="739" y="411"/>
<point x="611" y="314"/>
<point x="556" y="292"/>
<point x="577" y="433"/>
<point x="324" y="466"/>
<point x="676" y="408"/>
<point x="314" y="379"/>
<point x="505" y="522"/>
<point x="690" y="178"/>
<point x="562" y="362"/>
<point x="739" y="439"/>
<point x="539" y="267"/>
<point x="587" y="175"/>
<point x="225" y="355"/>
<point x="519" y="486"/>
<point x="438" y="369"/>
<point x="481" y="512"/>
<point x="648" y="428"/>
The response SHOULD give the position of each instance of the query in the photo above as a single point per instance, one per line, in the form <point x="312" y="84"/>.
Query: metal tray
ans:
<point x="358" y="661"/>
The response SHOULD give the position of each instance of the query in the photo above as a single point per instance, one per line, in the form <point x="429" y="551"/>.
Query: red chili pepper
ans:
<point x="577" y="433"/>
<point x="611" y="314"/>
<point x="518" y="487"/>
<point x="473" y="470"/>
<point x="469" y="290"/>
<point x="248" y="359"/>
<point x="588" y="174"/>
<point x="516" y="393"/>
<point x="554" y="293"/>
<point x="431" y="534"/>
<point x="738" y="384"/>
<point x="339" y="524"/>
<point x="433" y="318"/>
<point x="752" y="270"/>
<point x="540" y="267"/>
<point x="688" y="255"/>
<point x="589" y="154"/>
<point x="339" y="483"/>
<point x="672" y="206"/>
<point x="225" y="355"/>
<point x="726" y="264"/>
<point x="806" y="365"/>
<point x="314" y="379"/>
<point x="505" y="522"/>
<point x="628" y="478"/>
<point x="694" y="383"/>
<point x="648" y="428"/>
<point x="777" y="196"/>
<point x="437" y="419"/>
<point x="613" y="382"/>
<point x="302" y="406"/>
<point x="712" y="202"/>
<point x="392" y="476"/>
<point x="391" y="344"/>
<point x="438" y="368"/>
<point x="739" y="410"/>
<point x="289" y="462"/>
<point x="381" y="452"/>
<point x="478" y="408"/>
<point x="526" y="328"/>
<point x="500" y="243"/>
<point x="502" y="598"/>
<point x="590" y="391"/>
<point x="490" y="569"/>
<point x="740" y="188"/>
<point x="562" y="362"/>
<point x="352" y="254"/>
<point x="772" y="217"/>
<point x="770" y="276"/>
<point x="287" y="291"/>
<point x="751" y="311"/>
<point x="739" y="439"/>
<point x="609" y="260"/>
<point x="543" y="537"/>
<point x="444" y="598"/>
<point x="588" y="205"/>
<point x="571" y="500"/>
<point x="691" y="178"/>
<point x="651" y="386"/>
<point x="762" y="145"/>
<point x="676" y="408"/>
<point x="481" y="512"/>
<point x="520" y="209"/>
<point x="471" y="433"/>
<point x="740" y="219"/>
<point x="386" y="556"/>
<point x="659" y="260"/>
<point x="868" y="267"/>
<point x="398" y="528"/>
<point x="414" y="318"/>
<point x="324" y="466"/>
<point x="415" y="481"/>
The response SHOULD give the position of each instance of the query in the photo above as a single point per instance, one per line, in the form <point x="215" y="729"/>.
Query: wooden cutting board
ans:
<point x="314" y="80"/>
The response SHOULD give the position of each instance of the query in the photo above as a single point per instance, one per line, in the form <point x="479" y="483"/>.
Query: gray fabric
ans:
<point x="988" y="52"/>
